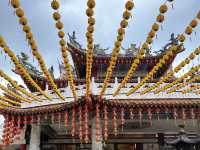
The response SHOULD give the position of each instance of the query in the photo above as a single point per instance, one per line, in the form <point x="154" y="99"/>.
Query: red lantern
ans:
<point x="122" y="118"/>
<point x="175" y="115"/>
<point x="131" y="114"/>
<point x="86" y="138"/>
<point x="80" y="124"/>
<point x="114" y="121"/>
<point x="150" y="115"/>
<point x="66" y="119"/>
<point x="73" y="130"/>
<point x="97" y="124"/>
<point x="38" y="119"/>
<point x="105" y="123"/>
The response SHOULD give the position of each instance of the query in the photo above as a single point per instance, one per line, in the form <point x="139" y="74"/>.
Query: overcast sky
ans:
<point x="108" y="15"/>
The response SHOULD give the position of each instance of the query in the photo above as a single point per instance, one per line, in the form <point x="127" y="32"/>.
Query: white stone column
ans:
<point x="35" y="137"/>
<point x="96" y="145"/>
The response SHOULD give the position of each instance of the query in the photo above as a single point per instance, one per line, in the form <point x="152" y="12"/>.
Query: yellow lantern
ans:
<point x="192" y="56"/>
<point x="169" y="53"/>
<point x="120" y="38"/>
<point x="90" y="29"/>
<point x="142" y="51"/>
<point x="173" y="48"/>
<point x="145" y="46"/>
<point x="117" y="44"/>
<point x="197" y="51"/>
<point x="187" y="61"/>
<point x="126" y="14"/>
<point x="59" y="25"/>
<point x="90" y="46"/>
<point x="91" y="3"/>
<point x="151" y="34"/>
<point x="91" y="21"/>
<point x="198" y="15"/>
<point x="23" y="21"/>
<point x="29" y="35"/>
<point x="1" y="39"/>
<point x="26" y="28"/>
<point x="155" y="27"/>
<point x="163" y="8"/>
<point x="181" y="38"/>
<point x="129" y="5"/>
<point x="56" y="16"/>
<point x="149" y="40"/>
<point x="89" y="12"/>
<point x="121" y="31"/>
<point x="88" y="35"/>
<point x="55" y="4"/>
<point x="193" y="23"/>
<point x="188" y="30"/>
<point x="15" y="3"/>
<point x="19" y="12"/>
<point x="90" y="40"/>
<point x="165" y="57"/>
<point x="124" y="23"/>
<point x="62" y="42"/>
<point x="61" y="34"/>
<point x="136" y="61"/>
<point x="160" y="18"/>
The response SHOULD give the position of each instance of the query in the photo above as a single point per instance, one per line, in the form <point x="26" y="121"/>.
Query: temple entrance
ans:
<point x="121" y="146"/>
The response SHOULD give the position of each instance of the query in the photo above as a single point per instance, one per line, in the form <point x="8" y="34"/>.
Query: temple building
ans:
<point x="106" y="99"/>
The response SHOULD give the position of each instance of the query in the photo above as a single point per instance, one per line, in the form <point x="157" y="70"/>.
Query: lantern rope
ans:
<point x="3" y="98"/>
<point x="59" y="25"/>
<point x="31" y="41"/>
<point x="186" y="61"/>
<point x="167" y="56"/>
<point x="14" y="84"/>
<point x="4" y="104"/>
<point x="161" y="62"/>
<point x="149" y="39"/>
<point x="180" y="79"/>
<point x="181" y="85"/>
<point x="192" y="89"/>
<point x="121" y="32"/>
<point x="19" y="67"/>
<point x="11" y="93"/>
<point x="90" y="44"/>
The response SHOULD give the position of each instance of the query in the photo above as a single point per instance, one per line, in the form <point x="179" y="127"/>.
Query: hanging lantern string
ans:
<point x="16" y="86"/>
<point x="4" y="104"/>
<point x="12" y="102"/>
<point x="90" y="43"/>
<point x="181" y="38"/>
<point x="59" y="25"/>
<point x="192" y="89"/>
<point x="178" y="80"/>
<point x="31" y="41"/>
<point x="143" y="49"/>
<point x="184" y="84"/>
<point x="12" y="94"/>
<point x="163" y="60"/>
<point x="19" y="67"/>
<point x="121" y="33"/>
<point x="170" y="74"/>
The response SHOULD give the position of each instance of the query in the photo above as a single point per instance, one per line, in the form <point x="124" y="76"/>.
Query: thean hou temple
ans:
<point x="103" y="99"/>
